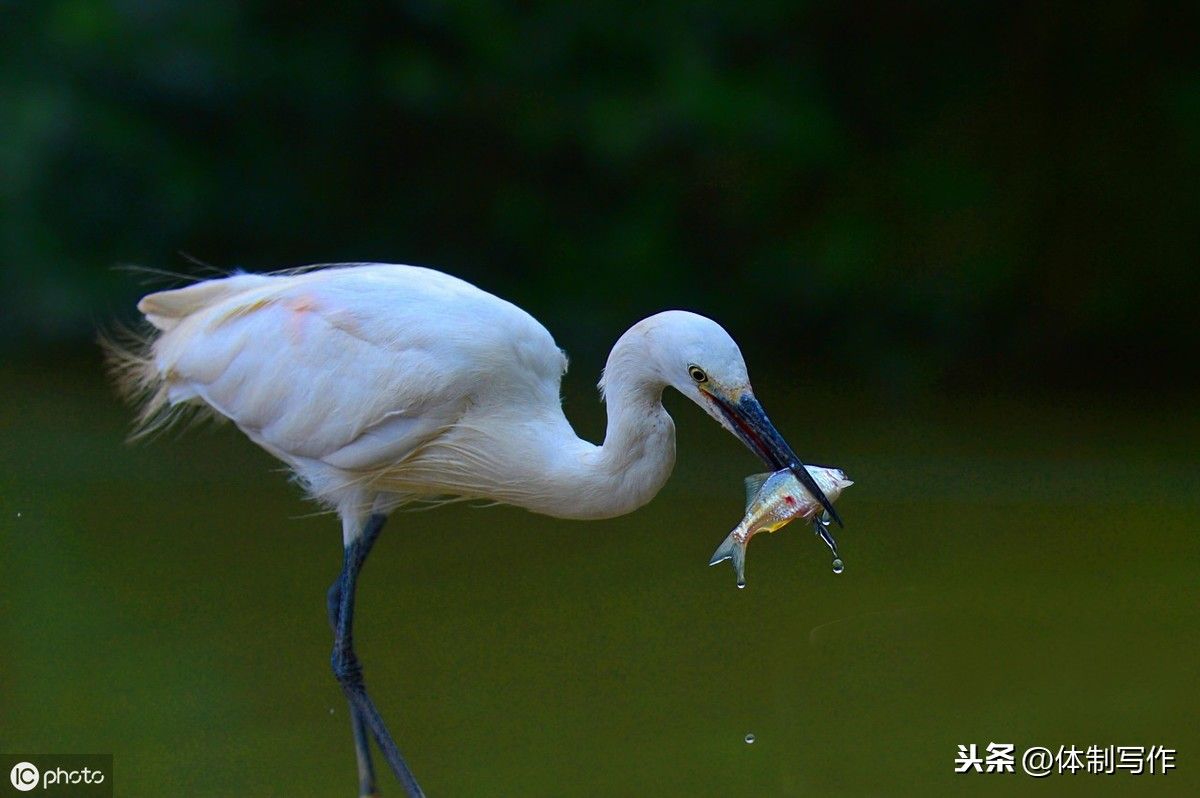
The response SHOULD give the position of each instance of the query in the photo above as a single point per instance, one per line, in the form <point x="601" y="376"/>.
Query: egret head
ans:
<point x="695" y="355"/>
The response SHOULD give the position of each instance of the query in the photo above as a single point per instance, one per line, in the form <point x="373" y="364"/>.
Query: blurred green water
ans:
<point x="1019" y="572"/>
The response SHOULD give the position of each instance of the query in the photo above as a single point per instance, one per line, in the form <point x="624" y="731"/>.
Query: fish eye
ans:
<point x="697" y="374"/>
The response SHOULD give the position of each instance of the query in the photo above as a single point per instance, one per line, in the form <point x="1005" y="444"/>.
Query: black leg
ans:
<point x="362" y="749"/>
<point x="348" y="670"/>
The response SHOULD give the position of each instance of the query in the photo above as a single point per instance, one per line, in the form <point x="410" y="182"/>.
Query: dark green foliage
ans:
<point x="910" y="195"/>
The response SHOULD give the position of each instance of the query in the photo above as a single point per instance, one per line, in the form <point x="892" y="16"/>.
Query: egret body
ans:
<point x="379" y="384"/>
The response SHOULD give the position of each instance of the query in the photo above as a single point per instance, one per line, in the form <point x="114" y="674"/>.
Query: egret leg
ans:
<point x="362" y="749"/>
<point x="348" y="669"/>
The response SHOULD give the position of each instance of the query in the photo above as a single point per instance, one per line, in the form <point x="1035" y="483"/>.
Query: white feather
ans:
<point x="379" y="384"/>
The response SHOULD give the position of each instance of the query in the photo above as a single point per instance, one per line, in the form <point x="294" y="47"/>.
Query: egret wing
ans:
<point x="353" y="367"/>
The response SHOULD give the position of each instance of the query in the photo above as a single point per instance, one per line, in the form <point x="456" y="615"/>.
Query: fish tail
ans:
<point x="732" y="549"/>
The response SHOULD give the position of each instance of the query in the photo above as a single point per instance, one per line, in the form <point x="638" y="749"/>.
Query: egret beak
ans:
<point x="749" y="422"/>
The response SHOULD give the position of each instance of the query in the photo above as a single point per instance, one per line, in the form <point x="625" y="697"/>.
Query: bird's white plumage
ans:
<point x="382" y="383"/>
<point x="379" y="383"/>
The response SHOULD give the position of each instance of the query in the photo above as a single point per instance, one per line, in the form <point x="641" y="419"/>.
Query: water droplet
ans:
<point x="750" y="738"/>
<point x="331" y="710"/>
<point x="838" y="566"/>
<point x="825" y="519"/>
<point x="741" y="583"/>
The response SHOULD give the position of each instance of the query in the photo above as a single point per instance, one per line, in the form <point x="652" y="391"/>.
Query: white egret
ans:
<point x="379" y="384"/>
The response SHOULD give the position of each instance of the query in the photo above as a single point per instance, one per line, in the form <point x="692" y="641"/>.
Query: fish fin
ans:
<point x="731" y="549"/>
<point x="754" y="484"/>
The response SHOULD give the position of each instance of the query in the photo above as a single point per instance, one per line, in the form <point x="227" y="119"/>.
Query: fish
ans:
<point x="774" y="500"/>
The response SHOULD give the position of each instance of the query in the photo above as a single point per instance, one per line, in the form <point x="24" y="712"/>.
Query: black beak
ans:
<point x="751" y="424"/>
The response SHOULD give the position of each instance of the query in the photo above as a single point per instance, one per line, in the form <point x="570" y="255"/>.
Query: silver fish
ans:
<point x="775" y="500"/>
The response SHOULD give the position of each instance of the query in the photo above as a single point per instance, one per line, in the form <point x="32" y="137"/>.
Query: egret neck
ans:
<point x="638" y="453"/>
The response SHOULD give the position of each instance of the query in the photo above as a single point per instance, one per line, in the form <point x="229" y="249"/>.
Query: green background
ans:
<point x="956" y="242"/>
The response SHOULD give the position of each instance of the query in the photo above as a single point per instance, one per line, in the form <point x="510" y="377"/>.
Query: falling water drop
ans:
<point x="750" y="738"/>
<point x="825" y="519"/>
<point x="741" y="583"/>
<point x="838" y="565"/>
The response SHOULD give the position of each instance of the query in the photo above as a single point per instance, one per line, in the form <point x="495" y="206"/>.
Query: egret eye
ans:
<point x="697" y="374"/>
